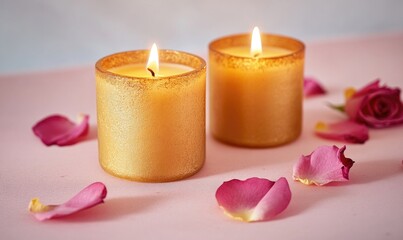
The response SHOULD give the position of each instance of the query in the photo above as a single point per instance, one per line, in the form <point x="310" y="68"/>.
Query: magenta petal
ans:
<point x="255" y="199"/>
<point x="59" y="130"/>
<point x="371" y="87"/>
<point x="345" y="131"/>
<point x="90" y="196"/>
<point x="324" y="165"/>
<point x="312" y="87"/>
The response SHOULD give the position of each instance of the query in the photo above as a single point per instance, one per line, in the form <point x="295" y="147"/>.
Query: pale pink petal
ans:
<point x="59" y="130"/>
<point x="274" y="202"/>
<point x="324" y="165"/>
<point x="345" y="131"/>
<point x="255" y="199"/>
<point x="89" y="197"/>
<point x="312" y="87"/>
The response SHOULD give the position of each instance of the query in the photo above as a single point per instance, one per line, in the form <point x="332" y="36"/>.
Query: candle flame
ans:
<point x="153" y="61"/>
<point x="256" y="43"/>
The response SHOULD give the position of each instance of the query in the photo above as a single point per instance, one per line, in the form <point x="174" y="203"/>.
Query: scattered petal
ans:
<point x="346" y="131"/>
<point x="324" y="165"/>
<point x="312" y="87"/>
<point x="59" y="130"/>
<point x="255" y="199"/>
<point x="89" y="197"/>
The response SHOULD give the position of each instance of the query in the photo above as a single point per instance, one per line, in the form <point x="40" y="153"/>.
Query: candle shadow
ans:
<point x="222" y="158"/>
<point x="113" y="209"/>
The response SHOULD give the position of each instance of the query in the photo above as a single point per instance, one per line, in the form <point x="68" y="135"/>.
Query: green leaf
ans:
<point x="340" y="107"/>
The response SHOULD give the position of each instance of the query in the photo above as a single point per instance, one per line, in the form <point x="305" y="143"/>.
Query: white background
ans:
<point x="46" y="34"/>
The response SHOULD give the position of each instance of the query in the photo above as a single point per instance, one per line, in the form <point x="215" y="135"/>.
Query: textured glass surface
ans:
<point x="151" y="129"/>
<point x="256" y="102"/>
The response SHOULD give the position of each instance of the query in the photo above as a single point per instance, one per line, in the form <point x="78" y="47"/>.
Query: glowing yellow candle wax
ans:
<point x="243" y="51"/>
<point x="138" y="70"/>
<point x="256" y="96"/>
<point x="151" y="128"/>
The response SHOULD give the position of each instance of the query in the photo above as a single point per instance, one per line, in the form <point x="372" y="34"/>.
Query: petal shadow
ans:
<point x="366" y="172"/>
<point x="113" y="209"/>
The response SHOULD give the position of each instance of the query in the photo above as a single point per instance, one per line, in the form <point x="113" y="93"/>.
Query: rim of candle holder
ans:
<point x="244" y="39"/>
<point x="118" y="59"/>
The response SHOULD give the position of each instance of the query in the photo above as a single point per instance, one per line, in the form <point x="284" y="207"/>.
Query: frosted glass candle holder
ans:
<point x="151" y="129"/>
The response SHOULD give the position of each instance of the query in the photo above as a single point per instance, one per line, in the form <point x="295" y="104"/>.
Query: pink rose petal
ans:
<point x="373" y="86"/>
<point x="312" y="87"/>
<point x="255" y="199"/>
<point x="324" y="165"/>
<point x="89" y="197"/>
<point x="59" y="130"/>
<point x="345" y="131"/>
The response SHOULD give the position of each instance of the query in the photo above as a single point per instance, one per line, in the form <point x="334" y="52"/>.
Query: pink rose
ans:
<point x="375" y="106"/>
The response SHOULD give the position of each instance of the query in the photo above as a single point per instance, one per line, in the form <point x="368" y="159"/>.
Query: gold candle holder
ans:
<point x="256" y="101"/>
<point x="151" y="129"/>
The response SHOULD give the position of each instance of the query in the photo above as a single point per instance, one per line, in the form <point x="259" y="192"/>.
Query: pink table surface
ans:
<point x="369" y="206"/>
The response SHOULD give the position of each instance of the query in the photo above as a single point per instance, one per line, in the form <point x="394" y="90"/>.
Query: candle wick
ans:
<point x="151" y="71"/>
<point x="256" y="55"/>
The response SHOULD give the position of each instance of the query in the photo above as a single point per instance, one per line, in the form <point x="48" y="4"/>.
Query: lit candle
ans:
<point x="256" y="89"/>
<point x="151" y="117"/>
